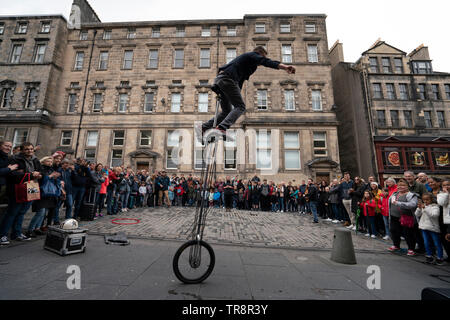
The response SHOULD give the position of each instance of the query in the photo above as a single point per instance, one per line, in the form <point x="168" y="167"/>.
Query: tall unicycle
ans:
<point x="194" y="261"/>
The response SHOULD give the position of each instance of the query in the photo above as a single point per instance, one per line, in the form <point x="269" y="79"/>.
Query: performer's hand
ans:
<point x="290" y="70"/>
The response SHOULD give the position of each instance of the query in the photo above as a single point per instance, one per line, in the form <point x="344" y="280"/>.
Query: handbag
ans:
<point x="49" y="188"/>
<point x="27" y="191"/>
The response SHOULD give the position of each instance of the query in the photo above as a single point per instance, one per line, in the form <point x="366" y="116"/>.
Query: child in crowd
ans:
<point x="428" y="212"/>
<point x="142" y="193"/>
<point x="368" y="206"/>
<point x="385" y="211"/>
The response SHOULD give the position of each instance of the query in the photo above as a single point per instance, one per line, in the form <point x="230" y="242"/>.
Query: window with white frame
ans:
<point x="403" y="89"/>
<point x="428" y="120"/>
<point x="320" y="144"/>
<point x="231" y="31"/>
<point x="407" y="115"/>
<point x="2" y="133"/>
<point x="79" y="59"/>
<point x="291" y="151"/>
<point x="230" y="151"/>
<point x="156" y="32"/>
<point x="312" y="53"/>
<point x="123" y="102"/>
<point x="2" y="28"/>
<point x="262" y="99"/>
<point x="83" y="35"/>
<point x="16" y="53"/>
<point x="176" y="102"/>
<point x="149" y="103"/>
<point x="289" y="100"/>
<point x="173" y="143"/>
<point x="39" y="52"/>
<point x="116" y="158"/>
<point x="205" y="58"/>
<point x="128" y="59"/>
<point x="260" y="28"/>
<point x="231" y="54"/>
<point x="199" y="155"/>
<point x="285" y="27"/>
<point x="263" y="150"/>
<point x="20" y="136"/>
<point x="377" y="92"/>
<point x="89" y="155"/>
<point x="153" y="59"/>
<point x="98" y="101"/>
<point x="180" y="31"/>
<point x="45" y="27"/>
<point x="31" y="97"/>
<point x="373" y="64"/>
<point x="390" y="90"/>
<point x="286" y="53"/>
<point x="22" y="27"/>
<point x="91" y="138"/>
<point x="203" y="102"/>
<point x="145" y="139"/>
<point x="316" y="99"/>
<point x="398" y="65"/>
<point x="441" y="119"/>
<point x="103" y="60"/>
<point x="206" y="31"/>
<point x="66" y="138"/>
<point x="118" y="138"/>
<point x="107" y="34"/>
<point x="131" y="34"/>
<point x="310" y="27"/>
<point x="395" y="122"/>
<point x="178" y="58"/>
<point x="72" y="102"/>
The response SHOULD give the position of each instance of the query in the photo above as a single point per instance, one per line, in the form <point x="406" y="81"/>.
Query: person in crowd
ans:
<point x="95" y="181"/>
<point x="264" y="196"/>
<point x="428" y="214"/>
<point x="385" y="212"/>
<point x="323" y="198"/>
<point x="391" y="184"/>
<point x="16" y="150"/>
<point x="102" y="192"/>
<point x="5" y="169"/>
<point x="228" y="190"/>
<point x="142" y="194"/>
<point x="163" y="186"/>
<point x="80" y="179"/>
<point x="402" y="206"/>
<point x="304" y="206"/>
<point x="312" y="197"/>
<point x="344" y="187"/>
<point x="255" y="194"/>
<point x="281" y="193"/>
<point x="356" y="194"/>
<point x="443" y="200"/>
<point x="27" y="166"/>
<point x="335" y="201"/>
<point x="423" y="179"/>
<point x="368" y="206"/>
<point x="329" y="213"/>
<point x="134" y="192"/>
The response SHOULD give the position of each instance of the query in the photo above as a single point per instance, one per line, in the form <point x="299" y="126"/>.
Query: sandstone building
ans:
<point x="131" y="92"/>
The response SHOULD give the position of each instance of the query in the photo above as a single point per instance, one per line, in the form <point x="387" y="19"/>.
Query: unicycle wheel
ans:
<point x="193" y="262"/>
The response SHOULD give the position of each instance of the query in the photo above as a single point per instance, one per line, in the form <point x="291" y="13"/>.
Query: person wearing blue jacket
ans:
<point x="163" y="182"/>
<point x="230" y="80"/>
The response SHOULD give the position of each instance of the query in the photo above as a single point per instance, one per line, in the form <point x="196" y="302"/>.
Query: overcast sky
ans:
<point x="357" y="24"/>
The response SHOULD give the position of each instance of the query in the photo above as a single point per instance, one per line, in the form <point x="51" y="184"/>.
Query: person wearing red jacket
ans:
<point x="368" y="206"/>
<point x="384" y="200"/>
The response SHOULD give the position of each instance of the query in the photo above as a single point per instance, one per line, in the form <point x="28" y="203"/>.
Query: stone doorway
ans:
<point x="143" y="166"/>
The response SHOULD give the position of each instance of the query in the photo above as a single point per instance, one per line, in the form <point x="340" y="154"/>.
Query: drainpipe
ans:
<point x="84" y="94"/>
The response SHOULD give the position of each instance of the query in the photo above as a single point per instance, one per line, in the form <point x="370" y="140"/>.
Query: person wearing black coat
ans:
<point x="5" y="168"/>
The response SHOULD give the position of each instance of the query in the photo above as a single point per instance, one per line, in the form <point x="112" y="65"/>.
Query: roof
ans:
<point x="378" y="43"/>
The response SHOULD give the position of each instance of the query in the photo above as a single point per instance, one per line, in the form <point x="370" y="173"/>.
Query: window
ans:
<point x="99" y="84"/>
<point x="91" y="138"/>
<point x="230" y="152"/>
<point x="131" y="34"/>
<point x="206" y="32"/>
<point x="386" y="65"/>
<point x="180" y="31"/>
<point x="20" y="136"/>
<point x="123" y="101"/>
<point x="149" y="102"/>
<point x="312" y="53"/>
<point x="377" y="93"/>
<point x="107" y="35"/>
<point x="422" y="92"/>
<point x="289" y="100"/>
<point x="231" y="54"/>
<point x="145" y="139"/>
<point x="72" y="102"/>
<point x="285" y="27"/>
<point x="381" y="116"/>
<point x="199" y="155"/>
<point x="39" y="53"/>
<point x="320" y="144"/>
<point x="260" y="28"/>
<point x="286" y="53"/>
<point x="390" y="91"/>
<point x="398" y="65"/>
<point x="262" y="99"/>
<point x="22" y="27"/>
<point x="124" y="84"/>
<point x="153" y="59"/>
<point x="310" y="27"/>
<point x="6" y="98"/>
<point x="66" y="138"/>
<point x="408" y="118"/>
<point x="118" y="138"/>
<point x="316" y="98"/>
<point x="231" y="31"/>
<point x="263" y="150"/>
<point x="2" y="28"/>
<point x="89" y="155"/>
<point x="374" y="65"/>
<point x="156" y="32"/>
<point x="428" y="121"/>
<point x="291" y="151"/>
<point x="16" y="53"/>
<point x="97" y="107"/>
<point x="45" y="27"/>
<point x="173" y="142"/>
<point x="447" y="91"/>
<point x="2" y="133"/>
<point x="435" y="89"/>
<point x="79" y="58"/>
<point x="83" y="35"/>
<point x="394" y="119"/>
<point x="176" y="102"/>
<point x="403" y="91"/>
<point x="74" y="85"/>
<point x="441" y="119"/>
<point x="178" y="58"/>
<point x="31" y="98"/>
<point x="128" y="60"/>
<point x="116" y="158"/>
<point x="103" y="64"/>
<point x="421" y="67"/>
<point x="203" y="102"/>
<point x="204" y="58"/>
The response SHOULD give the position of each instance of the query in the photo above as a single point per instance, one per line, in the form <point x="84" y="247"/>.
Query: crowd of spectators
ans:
<point x="415" y="209"/>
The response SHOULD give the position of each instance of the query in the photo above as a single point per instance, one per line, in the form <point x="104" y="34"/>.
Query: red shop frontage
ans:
<point x="395" y="155"/>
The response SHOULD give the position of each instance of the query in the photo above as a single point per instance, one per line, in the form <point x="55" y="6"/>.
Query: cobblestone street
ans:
<point x="264" y="229"/>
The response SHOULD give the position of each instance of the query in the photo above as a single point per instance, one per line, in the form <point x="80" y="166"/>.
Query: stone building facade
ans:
<point x="131" y="92"/>
<point x="394" y="111"/>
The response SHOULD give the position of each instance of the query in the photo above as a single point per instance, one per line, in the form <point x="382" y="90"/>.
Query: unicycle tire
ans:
<point x="176" y="260"/>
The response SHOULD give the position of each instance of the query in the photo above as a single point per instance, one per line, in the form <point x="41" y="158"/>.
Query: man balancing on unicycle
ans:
<point x="230" y="80"/>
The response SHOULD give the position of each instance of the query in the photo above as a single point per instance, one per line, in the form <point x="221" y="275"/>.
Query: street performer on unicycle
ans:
<point x="194" y="260"/>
